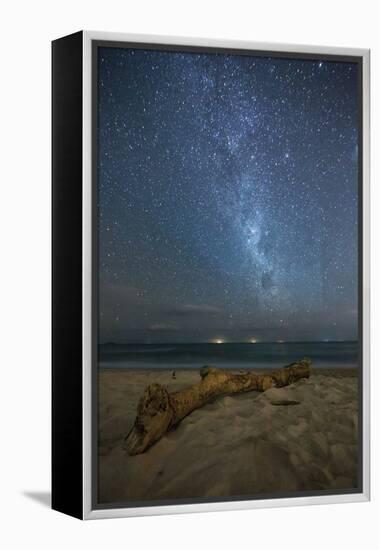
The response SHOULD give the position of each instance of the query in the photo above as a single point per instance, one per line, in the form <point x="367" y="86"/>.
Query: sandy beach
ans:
<point x="299" y="438"/>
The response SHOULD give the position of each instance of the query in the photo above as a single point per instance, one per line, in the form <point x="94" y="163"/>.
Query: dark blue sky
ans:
<point x="228" y="197"/>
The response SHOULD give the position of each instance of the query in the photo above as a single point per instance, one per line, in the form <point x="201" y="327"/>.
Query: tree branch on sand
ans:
<point x="158" y="410"/>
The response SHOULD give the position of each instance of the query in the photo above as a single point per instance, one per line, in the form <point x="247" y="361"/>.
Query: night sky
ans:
<point x="228" y="197"/>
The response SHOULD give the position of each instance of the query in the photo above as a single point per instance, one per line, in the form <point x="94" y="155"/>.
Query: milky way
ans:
<point x="228" y="197"/>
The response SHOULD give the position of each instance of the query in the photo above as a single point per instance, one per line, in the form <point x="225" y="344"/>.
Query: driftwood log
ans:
<point x="158" y="410"/>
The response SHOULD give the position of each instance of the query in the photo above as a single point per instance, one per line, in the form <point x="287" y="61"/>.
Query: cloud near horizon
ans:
<point x="194" y="309"/>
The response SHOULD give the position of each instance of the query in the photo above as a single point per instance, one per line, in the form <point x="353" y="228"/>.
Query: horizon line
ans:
<point x="323" y="341"/>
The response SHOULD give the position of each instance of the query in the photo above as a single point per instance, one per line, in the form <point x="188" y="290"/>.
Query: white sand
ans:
<point x="240" y="445"/>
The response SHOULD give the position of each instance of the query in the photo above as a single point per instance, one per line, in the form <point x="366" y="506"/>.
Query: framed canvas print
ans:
<point x="210" y="275"/>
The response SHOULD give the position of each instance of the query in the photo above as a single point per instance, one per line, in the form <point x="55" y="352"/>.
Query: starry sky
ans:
<point x="227" y="197"/>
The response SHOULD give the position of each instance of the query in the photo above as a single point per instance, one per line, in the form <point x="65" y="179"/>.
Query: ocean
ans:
<point x="227" y="355"/>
